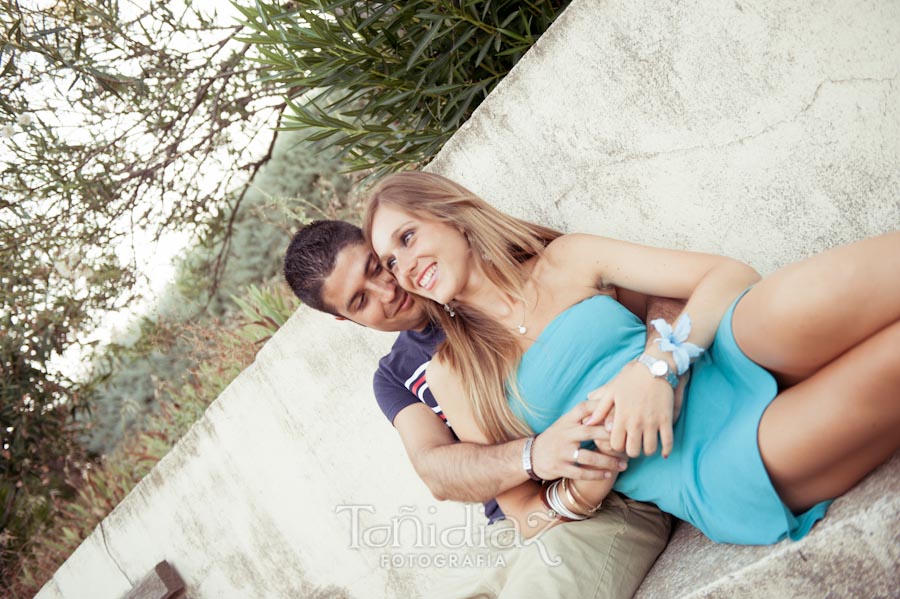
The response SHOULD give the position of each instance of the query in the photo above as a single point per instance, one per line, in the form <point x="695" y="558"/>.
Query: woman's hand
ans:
<point x="602" y="442"/>
<point x="644" y="411"/>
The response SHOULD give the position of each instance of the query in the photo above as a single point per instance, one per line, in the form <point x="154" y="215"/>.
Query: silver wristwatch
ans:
<point x="659" y="369"/>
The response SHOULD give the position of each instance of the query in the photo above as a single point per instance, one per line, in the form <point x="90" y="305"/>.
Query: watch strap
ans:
<point x="649" y="361"/>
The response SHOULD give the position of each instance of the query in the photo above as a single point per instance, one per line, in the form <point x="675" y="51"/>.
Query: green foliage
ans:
<point x="266" y="309"/>
<point x="299" y="183"/>
<point x="113" y="117"/>
<point x="221" y="353"/>
<point x="37" y="437"/>
<point x="388" y="82"/>
<point x="111" y="122"/>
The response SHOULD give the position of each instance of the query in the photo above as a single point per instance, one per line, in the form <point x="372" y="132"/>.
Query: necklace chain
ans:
<point x="522" y="328"/>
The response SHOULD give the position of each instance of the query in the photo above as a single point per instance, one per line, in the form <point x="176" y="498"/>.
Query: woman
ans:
<point x="793" y="401"/>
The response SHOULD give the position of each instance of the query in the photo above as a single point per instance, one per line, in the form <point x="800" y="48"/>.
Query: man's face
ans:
<point x="360" y="290"/>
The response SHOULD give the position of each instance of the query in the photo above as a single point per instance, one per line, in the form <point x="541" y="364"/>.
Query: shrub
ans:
<point x="388" y="82"/>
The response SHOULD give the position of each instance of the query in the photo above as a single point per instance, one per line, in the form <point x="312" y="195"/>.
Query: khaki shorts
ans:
<point x="606" y="556"/>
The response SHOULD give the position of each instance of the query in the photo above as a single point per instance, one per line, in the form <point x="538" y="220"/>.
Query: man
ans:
<point x="330" y="268"/>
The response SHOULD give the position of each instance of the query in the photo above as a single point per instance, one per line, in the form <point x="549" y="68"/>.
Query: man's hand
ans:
<point x="553" y="452"/>
<point x="644" y="411"/>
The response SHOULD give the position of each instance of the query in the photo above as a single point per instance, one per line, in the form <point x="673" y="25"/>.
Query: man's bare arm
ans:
<point x="650" y="307"/>
<point x="473" y="472"/>
<point x="662" y="307"/>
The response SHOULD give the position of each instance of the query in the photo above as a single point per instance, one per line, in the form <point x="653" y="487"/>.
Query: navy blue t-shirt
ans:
<point x="400" y="382"/>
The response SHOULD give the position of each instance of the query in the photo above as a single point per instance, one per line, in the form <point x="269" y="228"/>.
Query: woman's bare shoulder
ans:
<point x="567" y="260"/>
<point x="566" y="245"/>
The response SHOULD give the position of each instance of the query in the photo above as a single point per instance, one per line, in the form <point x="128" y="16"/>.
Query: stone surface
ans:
<point x="853" y="552"/>
<point x="766" y="131"/>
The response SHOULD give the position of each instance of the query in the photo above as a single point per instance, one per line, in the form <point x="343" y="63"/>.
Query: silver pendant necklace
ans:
<point x="521" y="328"/>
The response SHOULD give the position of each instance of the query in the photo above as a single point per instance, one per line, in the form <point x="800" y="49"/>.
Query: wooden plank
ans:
<point x="162" y="582"/>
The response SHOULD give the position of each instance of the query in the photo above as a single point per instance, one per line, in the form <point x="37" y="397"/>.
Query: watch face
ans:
<point x="659" y="368"/>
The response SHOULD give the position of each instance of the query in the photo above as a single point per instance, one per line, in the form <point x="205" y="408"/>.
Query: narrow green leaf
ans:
<point x="424" y="43"/>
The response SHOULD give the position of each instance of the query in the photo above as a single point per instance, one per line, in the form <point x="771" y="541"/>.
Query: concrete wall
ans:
<point x="764" y="130"/>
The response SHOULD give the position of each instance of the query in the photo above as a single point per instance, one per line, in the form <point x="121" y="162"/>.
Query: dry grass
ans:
<point x="100" y="486"/>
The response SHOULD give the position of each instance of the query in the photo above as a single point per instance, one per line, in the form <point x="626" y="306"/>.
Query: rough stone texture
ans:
<point x="247" y="503"/>
<point x="854" y="552"/>
<point x="89" y="571"/>
<point x="765" y="130"/>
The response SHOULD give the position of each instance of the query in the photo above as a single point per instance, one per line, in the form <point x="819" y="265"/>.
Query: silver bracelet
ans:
<point x="559" y="505"/>
<point x="526" y="459"/>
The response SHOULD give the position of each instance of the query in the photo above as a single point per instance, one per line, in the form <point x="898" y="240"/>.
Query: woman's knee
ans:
<point x="772" y="326"/>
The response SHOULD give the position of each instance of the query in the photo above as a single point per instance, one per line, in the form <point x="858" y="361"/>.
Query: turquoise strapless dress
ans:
<point x="715" y="478"/>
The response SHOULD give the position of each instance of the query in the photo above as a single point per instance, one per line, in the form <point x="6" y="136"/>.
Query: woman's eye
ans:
<point x="406" y="237"/>
<point x="390" y="264"/>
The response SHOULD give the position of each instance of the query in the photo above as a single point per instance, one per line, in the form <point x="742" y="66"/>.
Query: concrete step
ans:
<point x="853" y="552"/>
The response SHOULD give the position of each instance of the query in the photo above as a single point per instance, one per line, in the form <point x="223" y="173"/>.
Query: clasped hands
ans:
<point x="639" y="410"/>
<point x="626" y="416"/>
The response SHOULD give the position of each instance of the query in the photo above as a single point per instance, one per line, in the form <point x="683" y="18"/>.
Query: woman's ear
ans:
<point x="483" y="254"/>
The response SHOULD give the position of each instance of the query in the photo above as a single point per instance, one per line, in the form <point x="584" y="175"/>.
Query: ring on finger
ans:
<point x="575" y="456"/>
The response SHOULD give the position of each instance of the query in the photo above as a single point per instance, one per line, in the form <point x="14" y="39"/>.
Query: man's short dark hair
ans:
<point x="311" y="256"/>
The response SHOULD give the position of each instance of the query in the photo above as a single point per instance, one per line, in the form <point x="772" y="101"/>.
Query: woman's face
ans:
<point x="428" y="258"/>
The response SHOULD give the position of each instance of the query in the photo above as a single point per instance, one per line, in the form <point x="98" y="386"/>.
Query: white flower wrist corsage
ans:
<point x="674" y="341"/>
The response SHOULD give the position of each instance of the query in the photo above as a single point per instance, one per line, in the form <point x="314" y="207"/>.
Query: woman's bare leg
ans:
<point x="805" y="315"/>
<point x="823" y="435"/>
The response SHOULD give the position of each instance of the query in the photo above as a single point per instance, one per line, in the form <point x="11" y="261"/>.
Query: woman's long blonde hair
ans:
<point x="480" y="350"/>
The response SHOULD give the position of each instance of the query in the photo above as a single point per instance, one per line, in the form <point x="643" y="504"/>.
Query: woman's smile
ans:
<point x="427" y="279"/>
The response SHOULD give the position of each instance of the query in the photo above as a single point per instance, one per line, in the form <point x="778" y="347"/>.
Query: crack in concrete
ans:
<point x="769" y="128"/>
<point x="111" y="556"/>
